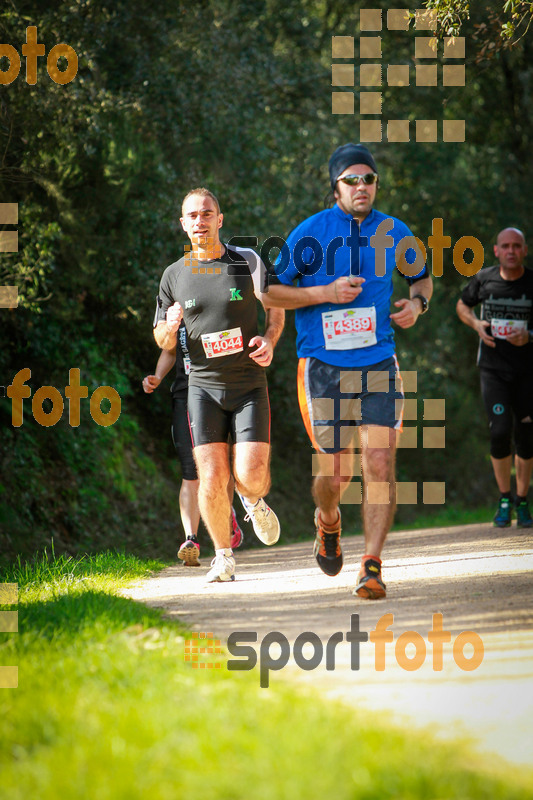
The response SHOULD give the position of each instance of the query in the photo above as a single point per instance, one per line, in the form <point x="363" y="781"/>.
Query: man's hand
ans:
<point x="518" y="338"/>
<point x="343" y="290"/>
<point x="174" y="317"/>
<point x="483" y="327"/>
<point x="410" y="311"/>
<point x="150" y="383"/>
<point x="265" y="351"/>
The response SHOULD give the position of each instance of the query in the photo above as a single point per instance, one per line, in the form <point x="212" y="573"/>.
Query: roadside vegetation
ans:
<point x="107" y="707"/>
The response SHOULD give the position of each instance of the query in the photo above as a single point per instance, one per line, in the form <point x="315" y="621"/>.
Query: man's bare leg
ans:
<point x="379" y="484"/>
<point x="502" y="473"/>
<point x="212" y="463"/>
<point x="251" y="470"/>
<point x="334" y="475"/>
<point x="378" y="453"/>
<point x="524" y="467"/>
<point x="328" y="489"/>
<point x="189" y="510"/>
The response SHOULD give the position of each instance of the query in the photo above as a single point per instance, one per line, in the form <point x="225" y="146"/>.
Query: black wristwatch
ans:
<point x="423" y="300"/>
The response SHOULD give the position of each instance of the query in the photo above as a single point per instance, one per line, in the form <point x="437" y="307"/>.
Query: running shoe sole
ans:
<point x="188" y="553"/>
<point x="218" y="579"/>
<point x="371" y="589"/>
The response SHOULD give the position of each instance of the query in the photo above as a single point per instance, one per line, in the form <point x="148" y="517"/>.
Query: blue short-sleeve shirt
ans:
<point x="330" y="245"/>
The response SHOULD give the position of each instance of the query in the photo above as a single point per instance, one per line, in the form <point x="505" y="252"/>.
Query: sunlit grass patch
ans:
<point x="107" y="708"/>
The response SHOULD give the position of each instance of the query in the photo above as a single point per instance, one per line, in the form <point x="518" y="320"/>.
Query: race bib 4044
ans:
<point x="222" y="343"/>
<point x="349" y="328"/>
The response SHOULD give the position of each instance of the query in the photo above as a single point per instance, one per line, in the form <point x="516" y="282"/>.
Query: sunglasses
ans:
<point x="352" y="180"/>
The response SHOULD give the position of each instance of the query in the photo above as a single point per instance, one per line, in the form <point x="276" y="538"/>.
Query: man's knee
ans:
<point x="379" y="462"/>
<point x="212" y="464"/>
<point x="253" y="480"/>
<point x="500" y="439"/>
<point x="251" y="462"/>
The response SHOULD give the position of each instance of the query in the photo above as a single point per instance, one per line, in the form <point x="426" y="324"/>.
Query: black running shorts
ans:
<point x="215" y="414"/>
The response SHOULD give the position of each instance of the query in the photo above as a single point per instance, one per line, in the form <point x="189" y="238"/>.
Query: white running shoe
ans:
<point x="265" y="522"/>
<point x="222" y="567"/>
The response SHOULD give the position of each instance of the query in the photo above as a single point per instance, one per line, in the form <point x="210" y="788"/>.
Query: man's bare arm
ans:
<point x="166" y="339"/>
<point x="467" y="315"/>
<point x="424" y="287"/>
<point x="165" y="333"/>
<point x="410" y="307"/>
<point x="165" y="362"/>
<point x="343" y="290"/>
<point x="274" y="324"/>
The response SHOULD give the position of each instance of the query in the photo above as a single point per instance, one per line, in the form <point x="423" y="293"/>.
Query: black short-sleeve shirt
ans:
<point x="502" y="302"/>
<point x="219" y="301"/>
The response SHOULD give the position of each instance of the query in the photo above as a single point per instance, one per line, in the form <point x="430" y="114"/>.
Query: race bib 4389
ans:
<point x="349" y="328"/>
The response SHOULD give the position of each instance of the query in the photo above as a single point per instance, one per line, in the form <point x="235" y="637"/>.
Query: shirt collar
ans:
<point x="342" y="214"/>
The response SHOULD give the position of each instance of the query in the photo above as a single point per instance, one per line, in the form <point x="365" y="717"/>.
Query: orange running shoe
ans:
<point x="369" y="584"/>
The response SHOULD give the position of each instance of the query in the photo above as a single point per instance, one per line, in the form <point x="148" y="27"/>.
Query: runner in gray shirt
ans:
<point x="215" y="289"/>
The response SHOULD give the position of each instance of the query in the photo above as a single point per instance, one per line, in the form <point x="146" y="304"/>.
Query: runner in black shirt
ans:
<point x="189" y="551"/>
<point x="505" y="359"/>
<point x="215" y="290"/>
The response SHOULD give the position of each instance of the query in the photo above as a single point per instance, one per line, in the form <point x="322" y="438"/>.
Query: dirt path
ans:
<point x="480" y="579"/>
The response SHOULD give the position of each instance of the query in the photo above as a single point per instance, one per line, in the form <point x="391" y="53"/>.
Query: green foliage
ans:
<point x="450" y="15"/>
<point x="518" y="15"/>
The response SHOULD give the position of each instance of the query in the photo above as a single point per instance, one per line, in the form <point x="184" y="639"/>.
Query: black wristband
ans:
<point x="424" y="301"/>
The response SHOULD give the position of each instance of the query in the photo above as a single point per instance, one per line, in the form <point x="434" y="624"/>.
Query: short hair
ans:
<point x="203" y="192"/>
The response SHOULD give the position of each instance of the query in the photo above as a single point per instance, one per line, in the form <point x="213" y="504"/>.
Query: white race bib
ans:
<point x="349" y="328"/>
<point x="222" y="343"/>
<point x="501" y="328"/>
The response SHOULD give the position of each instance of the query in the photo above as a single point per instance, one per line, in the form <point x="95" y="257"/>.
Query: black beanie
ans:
<point x="348" y="154"/>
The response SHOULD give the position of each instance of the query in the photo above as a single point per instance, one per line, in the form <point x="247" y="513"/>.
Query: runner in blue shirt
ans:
<point x="342" y="260"/>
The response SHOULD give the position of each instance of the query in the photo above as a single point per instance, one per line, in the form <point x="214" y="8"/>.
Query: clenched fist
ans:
<point x="174" y="317"/>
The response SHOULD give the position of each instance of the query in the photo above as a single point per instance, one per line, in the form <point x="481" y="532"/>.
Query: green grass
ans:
<point x="107" y="708"/>
<point x="446" y="516"/>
